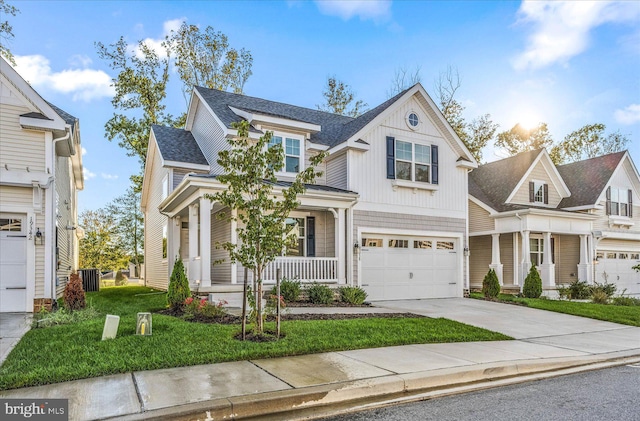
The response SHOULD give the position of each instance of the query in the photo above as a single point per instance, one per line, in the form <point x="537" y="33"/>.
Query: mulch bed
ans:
<point x="334" y="304"/>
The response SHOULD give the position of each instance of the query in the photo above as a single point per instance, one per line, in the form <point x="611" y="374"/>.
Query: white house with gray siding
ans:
<point x="388" y="214"/>
<point x="40" y="175"/>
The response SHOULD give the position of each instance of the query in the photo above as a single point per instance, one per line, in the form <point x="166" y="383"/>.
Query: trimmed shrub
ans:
<point x="490" y="284"/>
<point x="579" y="290"/>
<point x="320" y="294"/>
<point x="178" y="290"/>
<point x="532" y="287"/>
<point x="352" y="295"/>
<point x="74" y="298"/>
<point x="121" y="279"/>
<point x="289" y="290"/>
<point x="599" y="297"/>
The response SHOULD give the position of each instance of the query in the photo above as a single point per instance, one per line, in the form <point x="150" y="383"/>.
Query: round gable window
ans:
<point x="412" y="120"/>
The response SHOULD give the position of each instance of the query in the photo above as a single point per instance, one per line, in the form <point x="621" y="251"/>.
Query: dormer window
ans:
<point x="292" y="152"/>
<point x="538" y="192"/>
<point x="619" y="201"/>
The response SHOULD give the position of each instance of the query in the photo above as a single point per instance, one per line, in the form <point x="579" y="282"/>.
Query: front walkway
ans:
<point x="13" y="326"/>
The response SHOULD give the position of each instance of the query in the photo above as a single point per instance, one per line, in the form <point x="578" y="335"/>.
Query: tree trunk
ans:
<point x="244" y="304"/>
<point x="259" y="324"/>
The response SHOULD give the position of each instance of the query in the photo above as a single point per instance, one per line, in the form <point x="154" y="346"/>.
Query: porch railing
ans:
<point x="306" y="269"/>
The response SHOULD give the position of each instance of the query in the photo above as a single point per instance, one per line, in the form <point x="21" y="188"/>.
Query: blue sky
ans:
<point x="566" y="64"/>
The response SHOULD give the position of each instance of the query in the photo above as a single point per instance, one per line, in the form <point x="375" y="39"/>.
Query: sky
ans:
<point x="567" y="64"/>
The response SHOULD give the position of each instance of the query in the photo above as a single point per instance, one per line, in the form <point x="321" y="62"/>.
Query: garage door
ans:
<point x="13" y="264"/>
<point x="618" y="268"/>
<point x="408" y="267"/>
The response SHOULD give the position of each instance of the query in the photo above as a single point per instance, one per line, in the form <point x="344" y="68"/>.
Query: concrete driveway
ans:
<point x="13" y="326"/>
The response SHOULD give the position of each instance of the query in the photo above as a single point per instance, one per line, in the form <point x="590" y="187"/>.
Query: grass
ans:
<point x="69" y="352"/>
<point x="626" y="315"/>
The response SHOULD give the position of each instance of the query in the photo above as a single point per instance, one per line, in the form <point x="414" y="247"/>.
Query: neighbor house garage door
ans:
<point x="408" y="267"/>
<point x="618" y="269"/>
<point x="13" y="263"/>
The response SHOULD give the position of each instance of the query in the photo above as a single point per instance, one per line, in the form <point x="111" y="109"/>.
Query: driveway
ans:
<point x="13" y="326"/>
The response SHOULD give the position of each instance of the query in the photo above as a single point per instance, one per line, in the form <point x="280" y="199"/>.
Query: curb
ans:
<point x="351" y="396"/>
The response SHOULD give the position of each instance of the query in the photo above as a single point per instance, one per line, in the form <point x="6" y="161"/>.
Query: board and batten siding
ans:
<point x="337" y="171"/>
<point x="567" y="250"/>
<point x="156" y="266"/>
<point x="209" y="136"/>
<point x="479" y="219"/>
<point x="479" y="259"/>
<point x="20" y="148"/>
<point x="506" y="257"/>
<point x="539" y="173"/>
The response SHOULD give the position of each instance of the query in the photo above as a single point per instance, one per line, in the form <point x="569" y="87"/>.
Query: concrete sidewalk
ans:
<point x="321" y="384"/>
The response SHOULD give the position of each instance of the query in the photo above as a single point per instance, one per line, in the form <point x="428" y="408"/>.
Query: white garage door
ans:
<point x="13" y="264"/>
<point x="408" y="267"/>
<point x="618" y="268"/>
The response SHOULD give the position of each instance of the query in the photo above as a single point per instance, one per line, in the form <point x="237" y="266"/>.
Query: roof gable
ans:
<point x="178" y="146"/>
<point x="541" y="169"/>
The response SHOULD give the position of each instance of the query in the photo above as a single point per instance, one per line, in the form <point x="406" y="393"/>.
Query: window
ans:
<point x="445" y="245"/>
<point x="399" y="244"/>
<point x="165" y="187"/>
<point x="623" y="255"/>
<point x="611" y="255"/>
<point x="538" y="192"/>
<point x="421" y="244"/>
<point x="164" y="241"/>
<point x="412" y="161"/>
<point x="412" y="120"/>
<point x="372" y="242"/>
<point x="11" y="224"/>
<point x="634" y="256"/>
<point x="292" y="152"/>
<point x="296" y="226"/>
<point x="619" y="202"/>
<point x="536" y="250"/>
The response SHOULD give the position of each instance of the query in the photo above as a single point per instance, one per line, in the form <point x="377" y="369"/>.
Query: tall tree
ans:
<point x="249" y="169"/>
<point x="480" y="131"/>
<point x="204" y="58"/>
<point x="6" y="30"/>
<point x="129" y="220"/>
<point x="520" y="139"/>
<point x="403" y="78"/>
<point x="338" y="97"/>
<point x="587" y="142"/>
<point x="101" y="246"/>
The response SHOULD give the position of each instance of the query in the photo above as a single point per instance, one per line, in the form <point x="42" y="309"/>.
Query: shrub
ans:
<point x="490" y="284"/>
<point x="352" y="295"/>
<point x="599" y="297"/>
<point x="320" y="294"/>
<point x="564" y="292"/>
<point x="289" y="290"/>
<point x="121" y="279"/>
<point x="532" y="287"/>
<point x="606" y="288"/>
<point x="579" y="290"/>
<point x="625" y="301"/>
<point x="74" y="298"/>
<point x="178" y="290"/>
<point x="45" y="318"/>
<point x="203" y="307"/>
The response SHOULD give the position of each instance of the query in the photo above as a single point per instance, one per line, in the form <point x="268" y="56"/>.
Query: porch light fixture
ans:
<point x="143" y="326"/>
<point x="356" y="248"/>
<point x="39" y="238"/>
<point x="466" y="251"/>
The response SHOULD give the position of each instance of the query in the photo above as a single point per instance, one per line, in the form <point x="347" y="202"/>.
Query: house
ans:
<point x="577" y="221"/>
<point x="40" y="175"/>
<point x="389" y="213"/>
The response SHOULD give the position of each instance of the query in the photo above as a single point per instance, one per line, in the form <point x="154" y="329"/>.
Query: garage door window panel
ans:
<point x="396" y="243"/>
<point x="372" y="242"/>
<point x="445" y="245"/>
<point x="422" y="244"/>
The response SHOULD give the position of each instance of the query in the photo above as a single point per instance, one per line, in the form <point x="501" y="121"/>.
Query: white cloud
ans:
<point x="562" y="28"/>
<point x="364" y="9"/>
<point x="82" y="84"/>
<point x="80" y="60"/>
<point x="87" y="174"/>
<point x="109" y="176"/>
<point x="156" y="43"/>
<point x="629" y="115"/>
<point x="84" y="151"/>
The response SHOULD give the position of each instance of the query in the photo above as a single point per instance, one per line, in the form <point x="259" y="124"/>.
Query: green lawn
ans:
<point x="626" y="315"/>
<point x="70" y="352"/>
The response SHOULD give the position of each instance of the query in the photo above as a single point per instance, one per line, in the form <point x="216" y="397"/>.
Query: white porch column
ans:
<point x="340" y="250"/>
<point x="583" y="265"/>
<point x="205" y="242"/>
<point x="194" y="252"/>
<point x="496" y="264"/>
<point x="173" y="241"/>
<point x="547" y="268"/>
<point x="526" y="256"/>
<point x="515" y="260"/>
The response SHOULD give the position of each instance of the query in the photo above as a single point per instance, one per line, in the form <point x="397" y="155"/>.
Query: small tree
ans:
<point x="249" y="168"/>
<point x="490" y="284"/>
<point x="74" y="297"/>
<point x="532" y="287"/>
<point x="178" y="286"/>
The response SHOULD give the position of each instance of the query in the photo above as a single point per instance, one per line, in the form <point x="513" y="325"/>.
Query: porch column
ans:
<point x="194" y="253"/>
<point x="526" y="256"/>
<point x="340" y="247"/>
<point x="515" y="260"/>
<point x="547" y="268"/>
<point x="205" y="242"/>
<point x="583" y="265"/>
<point x="173" y="241"/>
<point x="496" y="264"/>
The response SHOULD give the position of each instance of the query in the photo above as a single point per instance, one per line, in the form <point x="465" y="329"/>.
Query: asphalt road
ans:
<point x="603" y="395"/>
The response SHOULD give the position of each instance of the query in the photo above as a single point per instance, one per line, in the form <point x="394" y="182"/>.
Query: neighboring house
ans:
<point x="40" y="175"/>
<point x="389" y="213"/>
<point x="578" y="221"/>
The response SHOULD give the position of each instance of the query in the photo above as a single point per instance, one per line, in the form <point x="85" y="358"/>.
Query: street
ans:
<point x="609" y="394"/>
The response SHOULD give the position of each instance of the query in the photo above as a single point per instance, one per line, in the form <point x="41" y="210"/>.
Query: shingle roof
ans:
<point x="587" y="179"/>
<point x="178" y="145"/>
<point x="68" y="118"/>
<point x="492" y="183"/>
<point x="279" y="183"/>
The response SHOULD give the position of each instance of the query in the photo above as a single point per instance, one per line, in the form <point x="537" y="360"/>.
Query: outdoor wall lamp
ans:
<point x="39" y="239"/>
<point x="466" y="251"/>
<point x="356" y="248"/>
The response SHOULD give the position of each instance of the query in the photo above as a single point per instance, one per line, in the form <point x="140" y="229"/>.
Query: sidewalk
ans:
<point x="322" y="384"/>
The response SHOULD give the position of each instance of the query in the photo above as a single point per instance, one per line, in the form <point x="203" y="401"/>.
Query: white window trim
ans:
<point x="165" y="186"/>
<point x="303" y="238"/>
<point x="413" y="181"/>
<point x="617" y="216"/>
<point x="165" y="235"/>
<point x="301" y="157"/>
<point x="538" y="186"/>
<point x="406" y="119"/>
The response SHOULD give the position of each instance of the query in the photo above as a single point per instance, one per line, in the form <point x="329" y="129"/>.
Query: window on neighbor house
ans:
<point x="292" y="152"/>
<point x="536" y="250"/>
<point x="164" y="241"/>
<point x="413" y="161"/>
<point x="619" y="202"/>
<point x="296" y="226"/>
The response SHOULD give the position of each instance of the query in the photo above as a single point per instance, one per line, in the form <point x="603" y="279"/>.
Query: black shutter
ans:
<point x="434" y="164"/>
<point x="391" y="157"/>
<point x="608" y="207"/>
<point x="532" y="193"/>
<point x="630" y="213"/>
<point x="311" y="236"/>
<point x="545" y="190"/>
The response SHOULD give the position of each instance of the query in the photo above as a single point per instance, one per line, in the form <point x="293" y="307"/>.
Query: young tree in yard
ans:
<point x="6" y="30"/>
<point x="587" y="142"/>
<point x="129" y="225"/>
<point x="249" y="169"/>
<point x="339" y="96"/>
<point x="519" y="139"/>
<point x="101" y="247"/>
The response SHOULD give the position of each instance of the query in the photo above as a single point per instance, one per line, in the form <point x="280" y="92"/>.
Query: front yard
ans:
<point x="68" y="352"/>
